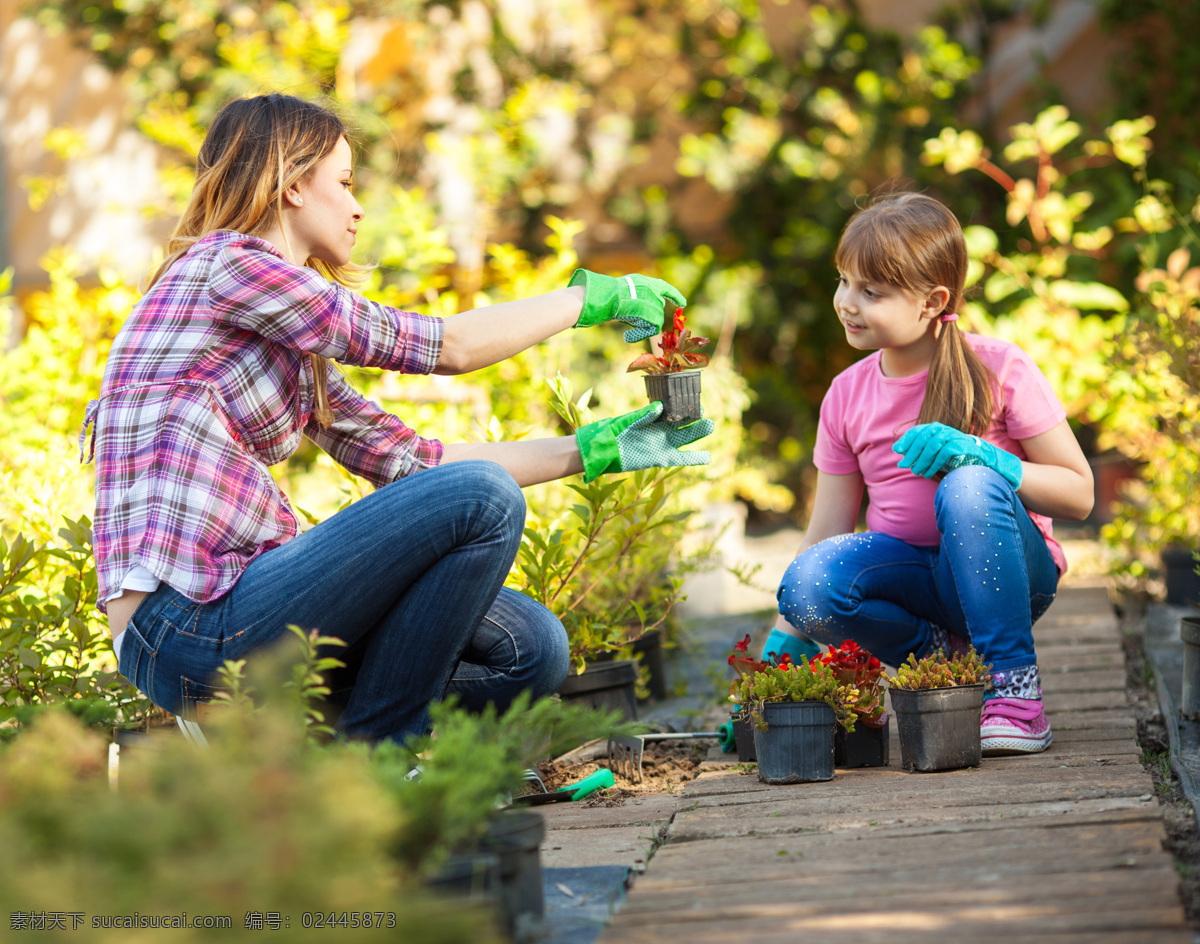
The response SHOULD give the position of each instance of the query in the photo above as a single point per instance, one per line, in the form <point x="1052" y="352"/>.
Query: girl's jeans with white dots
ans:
<point x="988" y="582"/>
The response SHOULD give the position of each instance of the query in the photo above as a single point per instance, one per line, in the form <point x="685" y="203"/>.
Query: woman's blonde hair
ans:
<point x="915" y="243"/>
<point x="254" y="150"/>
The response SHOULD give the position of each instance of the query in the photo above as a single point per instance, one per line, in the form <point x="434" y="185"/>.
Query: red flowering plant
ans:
<point x="745" y="665"/>
<point x="861" y="676"/>
<point x="678" y="351"/>
<point x="741" y="659"/>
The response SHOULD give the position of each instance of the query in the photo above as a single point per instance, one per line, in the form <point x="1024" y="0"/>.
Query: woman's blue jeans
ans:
<point x="988" y="582"/>
<point x="410" y="577"/>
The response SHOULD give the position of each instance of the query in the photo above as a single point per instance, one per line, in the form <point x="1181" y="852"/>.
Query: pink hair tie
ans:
<point x="953" y="316"/>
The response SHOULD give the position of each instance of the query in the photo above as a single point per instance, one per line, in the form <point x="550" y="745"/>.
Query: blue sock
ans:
<point x="800" y="648"/>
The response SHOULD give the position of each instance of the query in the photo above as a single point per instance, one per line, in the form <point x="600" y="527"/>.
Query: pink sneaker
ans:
<point x="1014" y="726"/>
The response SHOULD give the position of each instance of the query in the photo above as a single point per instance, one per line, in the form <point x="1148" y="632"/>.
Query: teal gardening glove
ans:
<point x="638" y="300"/>
<point x="934" y="448"/>
<point x="636" y="441"/>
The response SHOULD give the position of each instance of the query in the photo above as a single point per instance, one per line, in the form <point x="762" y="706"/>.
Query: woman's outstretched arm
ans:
<point x="529" y="461"/>
<point x="485" y="336"/>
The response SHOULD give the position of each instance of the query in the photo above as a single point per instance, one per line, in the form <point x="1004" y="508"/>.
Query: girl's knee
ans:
<point x="807" y="595"/>
<point x="970" y="492"/>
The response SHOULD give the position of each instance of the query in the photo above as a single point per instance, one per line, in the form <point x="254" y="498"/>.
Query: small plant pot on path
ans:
<point x="939" y="727"/>
<point x="1180" y="579"/>
<point x="474" y="876"/>
<point x="679" y="393"/>
<point x="649" y="646"/>
<point x="743" y="735"/>
<point x="797" y="746"/>
<point x="865" y="746"/>
<point x="606" y="685"/>
<point x="515" y="838"/>
<point x="1189" y="702"/>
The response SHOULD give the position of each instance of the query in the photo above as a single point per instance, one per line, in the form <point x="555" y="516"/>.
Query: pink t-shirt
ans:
<point x="864" y="413"/>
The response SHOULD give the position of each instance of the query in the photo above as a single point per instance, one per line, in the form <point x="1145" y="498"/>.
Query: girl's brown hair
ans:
<point x="915" y="243"/>
<point x="254" y="150"/>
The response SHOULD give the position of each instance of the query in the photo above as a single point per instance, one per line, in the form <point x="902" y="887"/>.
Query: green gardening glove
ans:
<point x="636" y="441"/>
<point x="638" y="300"/>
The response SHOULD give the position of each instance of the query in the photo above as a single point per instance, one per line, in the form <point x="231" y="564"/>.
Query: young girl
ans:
<point x="224" y="364"/>
<point x="966" y="455"/>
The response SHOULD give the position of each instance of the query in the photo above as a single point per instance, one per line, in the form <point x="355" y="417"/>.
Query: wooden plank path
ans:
<point x="1065" y="846"/>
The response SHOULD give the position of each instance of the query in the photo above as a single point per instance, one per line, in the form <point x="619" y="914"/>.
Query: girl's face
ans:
<point x="324" y="215"/>
<point x="876" y="315"/>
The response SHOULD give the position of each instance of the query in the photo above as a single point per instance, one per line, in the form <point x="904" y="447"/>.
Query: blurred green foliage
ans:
<point x="260" y="821"/>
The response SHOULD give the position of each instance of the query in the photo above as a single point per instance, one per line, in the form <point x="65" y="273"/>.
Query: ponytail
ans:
<point x="959" y="390"/>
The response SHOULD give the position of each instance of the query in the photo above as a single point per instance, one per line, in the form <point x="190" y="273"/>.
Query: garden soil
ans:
<point x="665" y="768"/>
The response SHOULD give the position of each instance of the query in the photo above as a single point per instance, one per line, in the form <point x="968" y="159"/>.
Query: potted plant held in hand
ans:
<point x="861" y="676"/>
<point x="673" y="375"/>
<point x="795" y="707"/>
<point x="938" y="702"/>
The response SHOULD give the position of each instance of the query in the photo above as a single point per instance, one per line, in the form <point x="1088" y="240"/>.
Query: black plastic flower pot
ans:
<point x="865" y="746"/>
<point x="1189" y="701"/>
<point x="649" y="648"/>
<point x="515" y="838"/>
<point x="743" y="735"/>
<point x="679" y="393"/>
<point x="607" y="685"/>
<point x="471" y="875"/>
<point x="939" y="727"/>
<point x="797" y="746"/>
<point x="1180" y="579"/>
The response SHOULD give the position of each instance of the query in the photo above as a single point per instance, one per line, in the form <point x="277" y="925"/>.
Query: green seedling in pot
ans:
<point x="940" y="671"/>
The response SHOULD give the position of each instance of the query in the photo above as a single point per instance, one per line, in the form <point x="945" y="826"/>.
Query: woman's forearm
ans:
<point x="485" y="336"/>
<point x="528" y="461"/>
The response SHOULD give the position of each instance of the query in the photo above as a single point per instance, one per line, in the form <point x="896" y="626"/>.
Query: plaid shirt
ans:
<point x="208" y="383"/>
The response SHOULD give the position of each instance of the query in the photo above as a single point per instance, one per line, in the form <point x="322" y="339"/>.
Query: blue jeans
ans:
<point x="988" y="582"/>
<point x="410" y="577"/>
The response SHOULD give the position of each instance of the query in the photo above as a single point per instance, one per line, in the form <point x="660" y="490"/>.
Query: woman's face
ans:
<point x="323" y="215"/>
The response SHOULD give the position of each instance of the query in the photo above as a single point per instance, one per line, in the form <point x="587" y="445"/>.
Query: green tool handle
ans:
<point x="600" y="780"/>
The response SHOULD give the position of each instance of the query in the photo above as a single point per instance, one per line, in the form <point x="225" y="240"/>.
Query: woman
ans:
<point x="223" y="365"/>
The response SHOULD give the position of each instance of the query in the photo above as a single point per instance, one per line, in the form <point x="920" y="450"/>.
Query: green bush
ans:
<point x="54" y="649"/>
<point x="1156" y="391"/>
<point x="608" y="565"/>
<point x="471" y="765"/>
<point x="257" y="826"/>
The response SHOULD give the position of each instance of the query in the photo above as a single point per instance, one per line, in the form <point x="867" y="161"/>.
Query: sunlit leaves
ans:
<point x="1050" y="132"/>
<point x="1130" y="140"/>
<point x="958" y="150"/>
